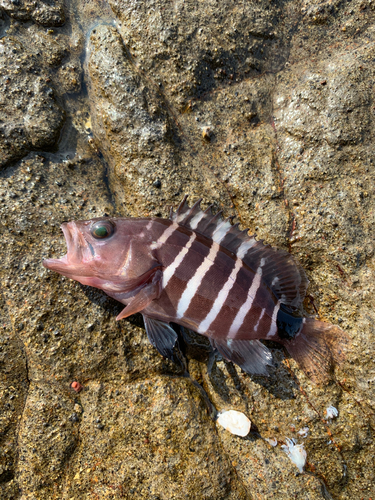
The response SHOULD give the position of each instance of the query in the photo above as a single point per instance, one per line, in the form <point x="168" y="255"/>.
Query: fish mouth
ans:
<point x="79" y="252"/>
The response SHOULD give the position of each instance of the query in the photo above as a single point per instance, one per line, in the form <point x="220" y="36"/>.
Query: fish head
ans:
<point x="96" y="250"/>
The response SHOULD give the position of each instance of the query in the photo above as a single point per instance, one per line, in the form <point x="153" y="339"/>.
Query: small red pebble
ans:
<point x="76" y="386"/>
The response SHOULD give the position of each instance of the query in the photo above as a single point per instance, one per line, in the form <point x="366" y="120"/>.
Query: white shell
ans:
<point x="304" y="432"/>
<point x="331" y="412"/>
<point x="296" y="453"/>
<point x="235" y="422"/>
<point x="271" y="441"/>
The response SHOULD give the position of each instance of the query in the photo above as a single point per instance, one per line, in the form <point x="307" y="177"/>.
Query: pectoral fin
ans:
<point x="146" y="295"/>
<point x="165" y="340"/>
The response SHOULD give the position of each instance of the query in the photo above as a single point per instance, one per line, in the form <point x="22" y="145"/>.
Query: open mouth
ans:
<point x="79" y="251"/>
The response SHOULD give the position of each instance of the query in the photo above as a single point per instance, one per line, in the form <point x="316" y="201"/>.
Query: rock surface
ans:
<point x="29" y="115"/>
<point x="49" y="13"/>
<point x="264" y="109"/>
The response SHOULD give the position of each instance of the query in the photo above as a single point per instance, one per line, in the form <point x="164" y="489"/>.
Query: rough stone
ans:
<point x="49" y="13"/>
<point x="285" y="89"/>
<point x="192" y="47"/>
<point x="132" y="123"/>
<point x="13" y="390"/>
<point x="30" y="118"/>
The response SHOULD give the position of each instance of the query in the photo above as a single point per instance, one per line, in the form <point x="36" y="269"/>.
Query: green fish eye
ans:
<point x="102" y="229"/>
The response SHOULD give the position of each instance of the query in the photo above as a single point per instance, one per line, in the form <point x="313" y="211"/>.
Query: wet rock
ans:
<point x="30" y="117"/>
<point x="329" y="105"/>
<point x="149" y="433"/>
<point x="179" y="157"/>
<point x="194" y="47"/>
<point x="13" y="390"/>
<point x="49" y="48"/>
<point x="135" y="130"/>
<point x="70" y="77"/>
<point x="45" y="13"/>
<point x="47" y="437"/>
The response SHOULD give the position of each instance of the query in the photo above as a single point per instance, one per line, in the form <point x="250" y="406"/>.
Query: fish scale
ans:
<point x="200" y="271"/>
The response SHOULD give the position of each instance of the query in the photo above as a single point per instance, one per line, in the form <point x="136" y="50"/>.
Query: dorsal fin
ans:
<point x="280" y="272"/>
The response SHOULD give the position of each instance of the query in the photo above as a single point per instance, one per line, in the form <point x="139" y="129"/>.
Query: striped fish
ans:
<point x="200" y="271"/>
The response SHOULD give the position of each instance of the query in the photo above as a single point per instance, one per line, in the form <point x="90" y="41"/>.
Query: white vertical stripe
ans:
<point x="220" y="299"/>
<point x="165" y="235"/>
<point x="273" y="328"/>
<point x="169" y="271"/>
<point x="245" y="308"/>
<point x="194" y="282"/>
<point x="149" y="225"/>
<point x="144" y="232"/>
<point x="196" y="220"/>
<point x="221" y="231"/>
<point x="259" y="320"/>
<point x="244" y="247"/>
<point x="181" y="217"/>
<point x="274" y="281"/>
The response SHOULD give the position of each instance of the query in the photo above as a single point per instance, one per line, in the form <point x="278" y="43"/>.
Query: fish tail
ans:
<point x="317" y="347"/>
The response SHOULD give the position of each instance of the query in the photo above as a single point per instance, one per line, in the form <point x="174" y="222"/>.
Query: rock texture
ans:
<point x="49" y="13"/>
<point x="29" y="115"/>
<point x="264" y="109"/>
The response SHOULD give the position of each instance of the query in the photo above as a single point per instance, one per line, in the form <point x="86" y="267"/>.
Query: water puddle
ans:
<point x="82" y="18"/>
<point x="69" y="43"/>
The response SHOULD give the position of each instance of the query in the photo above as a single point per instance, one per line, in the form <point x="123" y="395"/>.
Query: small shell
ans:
<point x="207" y="133"/>
<point x="304" y="432"/>
<point x="331" y="412"/>
<point x="271" y="441"/>
<point x="235" y="422"/>
<point x="296" y="452"/>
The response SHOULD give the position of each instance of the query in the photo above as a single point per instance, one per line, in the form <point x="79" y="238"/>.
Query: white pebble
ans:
<point x="296" y="452"/>
<point x="235" y="422"/>
<point x="331" y="412"/>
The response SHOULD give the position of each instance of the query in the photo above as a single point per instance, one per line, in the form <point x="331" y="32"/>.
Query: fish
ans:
<point x="198" y="270"/>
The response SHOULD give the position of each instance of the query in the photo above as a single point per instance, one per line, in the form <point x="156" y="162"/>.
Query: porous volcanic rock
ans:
<point x="30" y="118"/>
<point x="49" y="13"/>
<point x="264" y="109"/>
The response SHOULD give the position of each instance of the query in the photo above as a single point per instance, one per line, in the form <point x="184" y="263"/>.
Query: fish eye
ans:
<point x="102" y="229"/>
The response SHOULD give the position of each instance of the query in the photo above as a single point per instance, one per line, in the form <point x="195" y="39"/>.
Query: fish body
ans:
<point x="200" y="271"/>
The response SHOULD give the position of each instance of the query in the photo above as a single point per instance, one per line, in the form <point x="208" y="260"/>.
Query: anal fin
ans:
<point x="251" y="355"/>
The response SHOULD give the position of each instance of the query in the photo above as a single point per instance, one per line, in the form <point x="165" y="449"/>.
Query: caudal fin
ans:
<point x="317" y="348"/>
